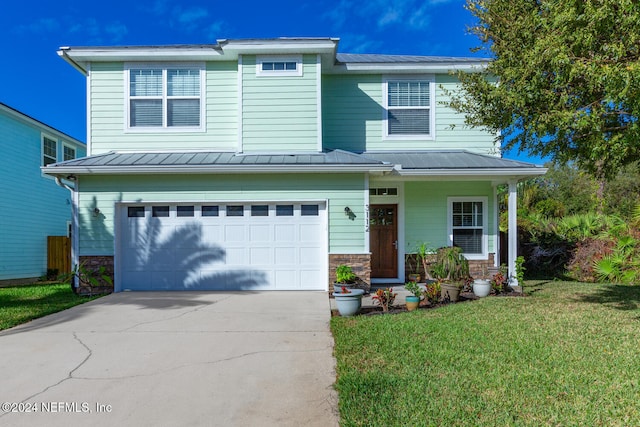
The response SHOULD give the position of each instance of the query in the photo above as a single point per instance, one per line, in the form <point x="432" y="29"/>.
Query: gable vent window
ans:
<point x="409" y="106"/>
<point x="392" y="191"/>
<point x="165" y="97"/>
<point x="279" y="66"/>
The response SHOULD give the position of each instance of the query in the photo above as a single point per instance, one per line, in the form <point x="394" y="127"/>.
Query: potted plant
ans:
<point x="482" y="286"/>
<point x="450" y="268"/>
<point x="89" y="281"/>
<point x="413" y="301"/>
<point x="423" y="250"/>
<point x="348" y="301"/>
<point x="412" y="265"/>
<point x="499" y="281"/>
<point x="432" y="292"/>
<point x="345" y="277"/>
<point x="385" y="298"/>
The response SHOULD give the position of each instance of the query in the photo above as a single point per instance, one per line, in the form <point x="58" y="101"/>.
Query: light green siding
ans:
<point x="426" y="210"/>
<point x="279" y="113"/>
<point x="353" y="118"/>
<point x="108" y="113"/>
<point x="345" y="235"/>
<point x="351" y="111"/>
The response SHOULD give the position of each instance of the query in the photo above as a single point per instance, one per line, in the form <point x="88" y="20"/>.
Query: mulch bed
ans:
<point x="425" y="305"/>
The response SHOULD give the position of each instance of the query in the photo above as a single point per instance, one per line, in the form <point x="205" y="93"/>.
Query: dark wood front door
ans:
<point x="383" y="229"/>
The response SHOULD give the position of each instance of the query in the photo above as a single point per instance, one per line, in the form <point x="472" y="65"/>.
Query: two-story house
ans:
<point x="263" y="164"/>
<point x="32" y="206"/>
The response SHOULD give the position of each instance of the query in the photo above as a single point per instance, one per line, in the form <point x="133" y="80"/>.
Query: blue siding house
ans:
<point x="32" y="205"/>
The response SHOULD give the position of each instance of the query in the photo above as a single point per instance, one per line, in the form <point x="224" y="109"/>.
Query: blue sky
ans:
<point x="50" y="90"/>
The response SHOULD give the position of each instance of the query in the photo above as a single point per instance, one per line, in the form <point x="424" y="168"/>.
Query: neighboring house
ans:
<point x="32" y="206"/>
<point x="263" y="164"/>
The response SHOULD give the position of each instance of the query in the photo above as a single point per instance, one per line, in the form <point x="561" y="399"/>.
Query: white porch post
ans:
<point x="513" y="231"/>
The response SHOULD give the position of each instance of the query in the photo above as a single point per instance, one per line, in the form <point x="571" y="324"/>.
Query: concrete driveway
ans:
<point x="181" y="358"/>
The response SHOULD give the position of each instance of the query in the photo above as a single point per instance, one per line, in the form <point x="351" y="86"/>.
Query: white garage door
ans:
<point x="234" y="246"/>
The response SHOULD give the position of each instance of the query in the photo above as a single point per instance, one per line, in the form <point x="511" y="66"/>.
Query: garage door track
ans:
<point x="181" y="358"/>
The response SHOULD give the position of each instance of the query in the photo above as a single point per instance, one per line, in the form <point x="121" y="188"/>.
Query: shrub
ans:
<point x="432" y="292"/>
<point x="586" y="254"/>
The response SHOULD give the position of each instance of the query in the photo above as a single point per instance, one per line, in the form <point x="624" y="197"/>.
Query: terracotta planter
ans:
<point x="449" y="291"/>
<point x="412" y="302"/>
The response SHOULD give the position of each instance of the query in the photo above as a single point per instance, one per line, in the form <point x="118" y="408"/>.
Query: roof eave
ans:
<point x="436" y="68"/>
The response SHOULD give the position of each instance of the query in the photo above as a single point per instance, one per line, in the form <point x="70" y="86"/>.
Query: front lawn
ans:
<point x="567" y="354"/>
<point x="19" y="304"/>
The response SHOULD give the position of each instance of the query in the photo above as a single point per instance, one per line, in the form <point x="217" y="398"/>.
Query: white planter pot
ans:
<point x="481" y="287"/>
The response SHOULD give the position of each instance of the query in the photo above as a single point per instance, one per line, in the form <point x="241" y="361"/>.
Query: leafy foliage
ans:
<point x="569" y="79"/>
<point x="344" y="274"/>
<point x="450" y="264"/>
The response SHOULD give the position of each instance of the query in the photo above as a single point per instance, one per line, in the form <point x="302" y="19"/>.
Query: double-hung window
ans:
<point x="49" y="150"/>
<point x="409" y="107"/>
<point x="468" y="225"/>
<point x="165" y="97"/>
<point x="68" y="152"/>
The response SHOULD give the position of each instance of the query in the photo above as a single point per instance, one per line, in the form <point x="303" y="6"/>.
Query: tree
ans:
<point x="568" y="79"/>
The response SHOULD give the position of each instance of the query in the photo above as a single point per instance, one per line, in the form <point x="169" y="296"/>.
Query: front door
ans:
<point x="383" y="229"/>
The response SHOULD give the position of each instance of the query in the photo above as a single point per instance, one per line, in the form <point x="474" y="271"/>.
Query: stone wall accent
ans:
<point x="93" y="263"/>
<point x="475" y="266"/>
<point x="359" y="263"/>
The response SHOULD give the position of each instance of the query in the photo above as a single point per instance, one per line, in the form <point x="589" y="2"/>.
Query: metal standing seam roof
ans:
<point x="199" y="159"/>
<point x="356" y="58"/>
<point x="448" y="160"/>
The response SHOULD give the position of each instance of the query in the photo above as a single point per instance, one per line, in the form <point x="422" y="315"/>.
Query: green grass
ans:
<point x="566" y="355"/>
<point x="20" y="304"/>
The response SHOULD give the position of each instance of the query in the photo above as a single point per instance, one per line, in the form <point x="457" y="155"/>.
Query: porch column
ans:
<point x="513" y="232"/>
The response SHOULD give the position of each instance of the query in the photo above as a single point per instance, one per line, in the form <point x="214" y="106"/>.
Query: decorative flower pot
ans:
<point x="481" y="287"/>
<point x="349" y="303"/>
<point x="449" y="291"/>
<point x="414" y="278"/>
<point x="412" y="302"/>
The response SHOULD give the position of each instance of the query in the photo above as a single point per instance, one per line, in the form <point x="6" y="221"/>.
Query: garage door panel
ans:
<point x="270" y="250"/>
<point x="260" y="233"/>
<point x="235" y="233"/>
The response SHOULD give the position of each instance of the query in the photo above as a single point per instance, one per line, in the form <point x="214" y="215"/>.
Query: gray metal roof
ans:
<point x="398" y="59"/>
<point x="448" y="160"/>
<point x="431" y="163"/>
<point x="336" y="157"/>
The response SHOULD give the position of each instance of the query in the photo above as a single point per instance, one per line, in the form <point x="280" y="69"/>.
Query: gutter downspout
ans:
<point x="74" y="224"/>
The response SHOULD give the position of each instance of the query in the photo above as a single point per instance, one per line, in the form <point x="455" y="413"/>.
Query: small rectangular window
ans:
<point x="284" y="210"/>
<point x="135" y="212"/>
<point x="185" y="211"/>
<point x="160" y="211"/>
<point x="235" y="210"/>
<point x="209" y="211"/>
<point x="289" y="65"/>
<point x="259" y="210"/>
<point x="309" y="210"/>
<point x="49" y="151"/>
<point x="69" y="153"/>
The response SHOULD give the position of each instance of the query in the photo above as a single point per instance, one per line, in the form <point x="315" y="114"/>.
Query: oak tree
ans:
<point x="562" y="80"/>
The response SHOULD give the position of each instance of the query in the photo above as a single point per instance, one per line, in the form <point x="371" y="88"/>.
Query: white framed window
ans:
<point x="409" y="107"/>
<point x="49" y="150"/>
<point x="467" y="220"/>
<point x="68" y="152"/>
<point x="279" y="65"/>
<point x="165" y="97"/>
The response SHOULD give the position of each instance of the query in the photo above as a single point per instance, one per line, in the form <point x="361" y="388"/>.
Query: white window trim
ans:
<point x="164" y="128"/>
<point x="485" y="224"/>
<point x="279" y="73"/>
<point x="42" y="137"/>
<point x="432" y="108"/>
<point x="73" y="147"/>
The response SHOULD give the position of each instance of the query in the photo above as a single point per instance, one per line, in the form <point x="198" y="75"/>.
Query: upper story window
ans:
<point x="279" y="65"/>
<point x="68" y="152"/>
<point x="49" y="150"/>
<point x="468" y="225"/>
<point x="409" y="107"/>
<point x="165" y="97"/>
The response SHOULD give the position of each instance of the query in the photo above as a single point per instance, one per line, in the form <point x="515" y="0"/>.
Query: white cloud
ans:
<point x="191" y="15"/>
<point x="39" y="26"/>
